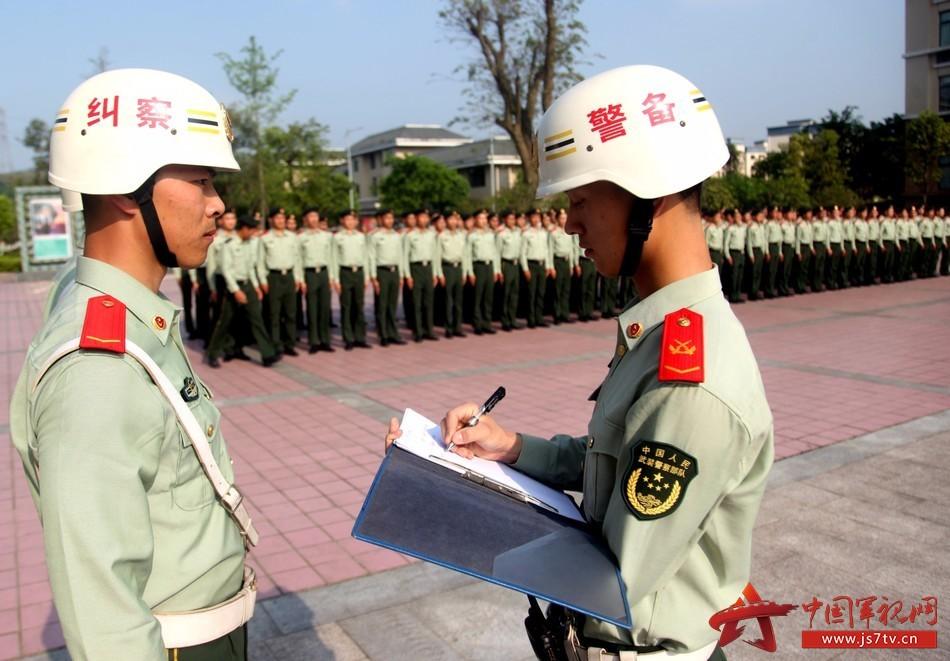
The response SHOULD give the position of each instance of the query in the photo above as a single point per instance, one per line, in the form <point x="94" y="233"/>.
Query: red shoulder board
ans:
<point x="104" y="327"/>
<point x="681" y="353"/>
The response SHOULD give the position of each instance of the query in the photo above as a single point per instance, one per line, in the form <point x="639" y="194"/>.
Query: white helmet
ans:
<point x="645" y="128"/>
<point x="117" y="128"/>
<point x="72" y="201"/>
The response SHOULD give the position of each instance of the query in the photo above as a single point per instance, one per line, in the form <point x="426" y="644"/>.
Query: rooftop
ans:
<point x="409" y="135"/>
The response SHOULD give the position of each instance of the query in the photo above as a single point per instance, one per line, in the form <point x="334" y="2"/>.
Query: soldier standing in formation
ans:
<point x="317" y="259"/>
<point x="421" y="251"/>
<point x="536" y="264"/>
<point x="387" y="263"/>
<point x="564" y="251"/>
<point x="451" y="269"/>
<point x="509" y="249"/>
<point x="281" y="277"/>
<point x="484" y="271"/>
<point x="351" y="257"/>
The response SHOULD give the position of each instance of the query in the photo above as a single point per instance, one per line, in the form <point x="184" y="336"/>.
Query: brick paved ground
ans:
<point x="306" y="436"/>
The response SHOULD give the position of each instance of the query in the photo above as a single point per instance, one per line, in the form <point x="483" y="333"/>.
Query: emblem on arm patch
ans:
<point x="656" y="480"/>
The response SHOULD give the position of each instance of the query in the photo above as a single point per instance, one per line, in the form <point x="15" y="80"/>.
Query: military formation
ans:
<point x="269" y="281"/>
<point x="782" y="252"/>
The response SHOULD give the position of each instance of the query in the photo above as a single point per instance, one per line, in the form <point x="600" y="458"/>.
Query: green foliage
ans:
<point x="8" y="228"/>
<point x="824" y="170"/>
<point x="717" y="195"/>
<point x="928" y="140"/>
<point x="36" y="137"/>
<point x="748" y="192"/>
<point x="417" y="181"/>
<point x="10" y="263"/>
<point x="254" y="75"/>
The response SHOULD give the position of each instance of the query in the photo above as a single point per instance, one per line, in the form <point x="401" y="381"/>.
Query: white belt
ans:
<point x="702" y="654"/>
<point x="204" y="625"/>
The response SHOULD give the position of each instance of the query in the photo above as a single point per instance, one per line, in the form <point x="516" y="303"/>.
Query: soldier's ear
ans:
<point x="122" y="203"/>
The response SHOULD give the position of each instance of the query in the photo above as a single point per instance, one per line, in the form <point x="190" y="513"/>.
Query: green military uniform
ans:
<point x="214" y="280"/>
<point x="773" y="237"/>
<point x="714" y="241"/>
<point x="835" y="259"/>
<point x="351" y="263"/>
<point x="914" y="247"/>
<point x="942" y="237"/>
<point x="735" y="245"/>
<point x="484" y="263"/>
<point x="902" y="266"/>
<point x="875" y="251"/>
<point x="536" y="261"/>
<point x="130" y="521"/>
<point x="788" y="258"/>
<point x="588" y="283"/>
<point x="387" y="263"/>
<point x="860" y="251"/>
<point x="848" y="248"/>
<point x="819" y="231"/>
<point x="421" y="251"/>
<point x="704" y="448"/>
<point x="451" y="267"/>
<point x="608" y="296"/>
<point x="889" y="244"/>
<point x="317" y="260"/>
<point x="239" y="269"/>
<point x="509" y="250"/>
<point x="928" y="257"/>
<point x="756" y="245"/>
<point x="804" y="251"/>
<point x="280" y="269"/>
<point x="564" y="250"/>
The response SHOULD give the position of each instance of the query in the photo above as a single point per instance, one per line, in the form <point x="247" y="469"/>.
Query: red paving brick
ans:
<point x="835" y="365"/>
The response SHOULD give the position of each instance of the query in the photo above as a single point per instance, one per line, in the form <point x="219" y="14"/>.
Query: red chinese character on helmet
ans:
<point x="608" y="122"/>
<point x="657" y="111"/>
<point x="150" y="112"/>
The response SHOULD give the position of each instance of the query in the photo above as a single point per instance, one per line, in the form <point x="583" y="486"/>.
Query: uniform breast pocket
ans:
<point x="192" y="489"/>
<point x="600" y="469"/>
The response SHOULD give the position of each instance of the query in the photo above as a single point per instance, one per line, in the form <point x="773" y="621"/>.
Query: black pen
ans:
<point x="489" y="404"/>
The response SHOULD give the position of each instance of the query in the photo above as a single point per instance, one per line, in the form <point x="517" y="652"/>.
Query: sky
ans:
<point x="364" y="66"/>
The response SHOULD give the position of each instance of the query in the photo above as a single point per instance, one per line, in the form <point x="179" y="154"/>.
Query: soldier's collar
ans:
<point x="642" y="316"/>
<point x="154" y="310"/>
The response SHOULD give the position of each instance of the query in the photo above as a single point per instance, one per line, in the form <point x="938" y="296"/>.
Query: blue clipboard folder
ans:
<point x="425" y="510"/>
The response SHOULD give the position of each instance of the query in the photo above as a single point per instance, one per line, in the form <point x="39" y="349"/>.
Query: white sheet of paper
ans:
<point x="423" y="438"/>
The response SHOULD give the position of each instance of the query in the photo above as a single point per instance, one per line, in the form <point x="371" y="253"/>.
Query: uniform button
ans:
<point x="621" y="349"/>
<point x="634" y="330"/>
<point x="210" y="431"/>
<point x="590" y="442"/>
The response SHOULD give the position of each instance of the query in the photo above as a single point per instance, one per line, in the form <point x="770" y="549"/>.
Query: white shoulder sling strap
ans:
<point x="230" y="497"/>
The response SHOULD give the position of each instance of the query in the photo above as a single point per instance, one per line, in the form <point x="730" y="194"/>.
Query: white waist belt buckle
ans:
<point x="196" y="627"/>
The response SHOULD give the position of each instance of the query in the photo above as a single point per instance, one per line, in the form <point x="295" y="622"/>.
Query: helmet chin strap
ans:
<point x="639" y="225"/>
<point x="143" y="197"/>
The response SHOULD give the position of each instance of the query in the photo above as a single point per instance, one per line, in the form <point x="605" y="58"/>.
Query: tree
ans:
<point x="717" y="195"/>
<point x="36" y="137"/>
<point x="928" y="141"/>
<point x="885" y="149"/>
<point x="8" y="229"/>
<point x="824" y="171"/>
<point x="100" y="62"/>
<point x="254" y="76"/>
<point x="416" y="182"/>
<point x="528" y="53"/>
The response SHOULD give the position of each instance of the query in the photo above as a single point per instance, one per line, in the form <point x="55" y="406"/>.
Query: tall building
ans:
<point x="927" y="57"/>
<point x="370" y="155"/>
<point x="778" y="136"/>
<point x="490" y="165"/>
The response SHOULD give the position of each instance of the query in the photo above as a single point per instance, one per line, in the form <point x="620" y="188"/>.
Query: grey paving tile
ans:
<point x="396" y="634"/>
<point x="479" y="621"/>
<point x="325" y="643"/>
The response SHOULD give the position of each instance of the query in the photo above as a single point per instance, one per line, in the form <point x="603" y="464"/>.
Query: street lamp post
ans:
<point x="349" y="161"/>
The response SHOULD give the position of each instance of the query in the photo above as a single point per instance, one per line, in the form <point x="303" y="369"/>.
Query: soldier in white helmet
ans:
<point x="677" y="451"/>
<point x="144" y="530"/>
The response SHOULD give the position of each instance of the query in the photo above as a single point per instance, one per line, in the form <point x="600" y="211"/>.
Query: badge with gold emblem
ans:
<point x="228" y="130"/>
<point x="656" y="481"/>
